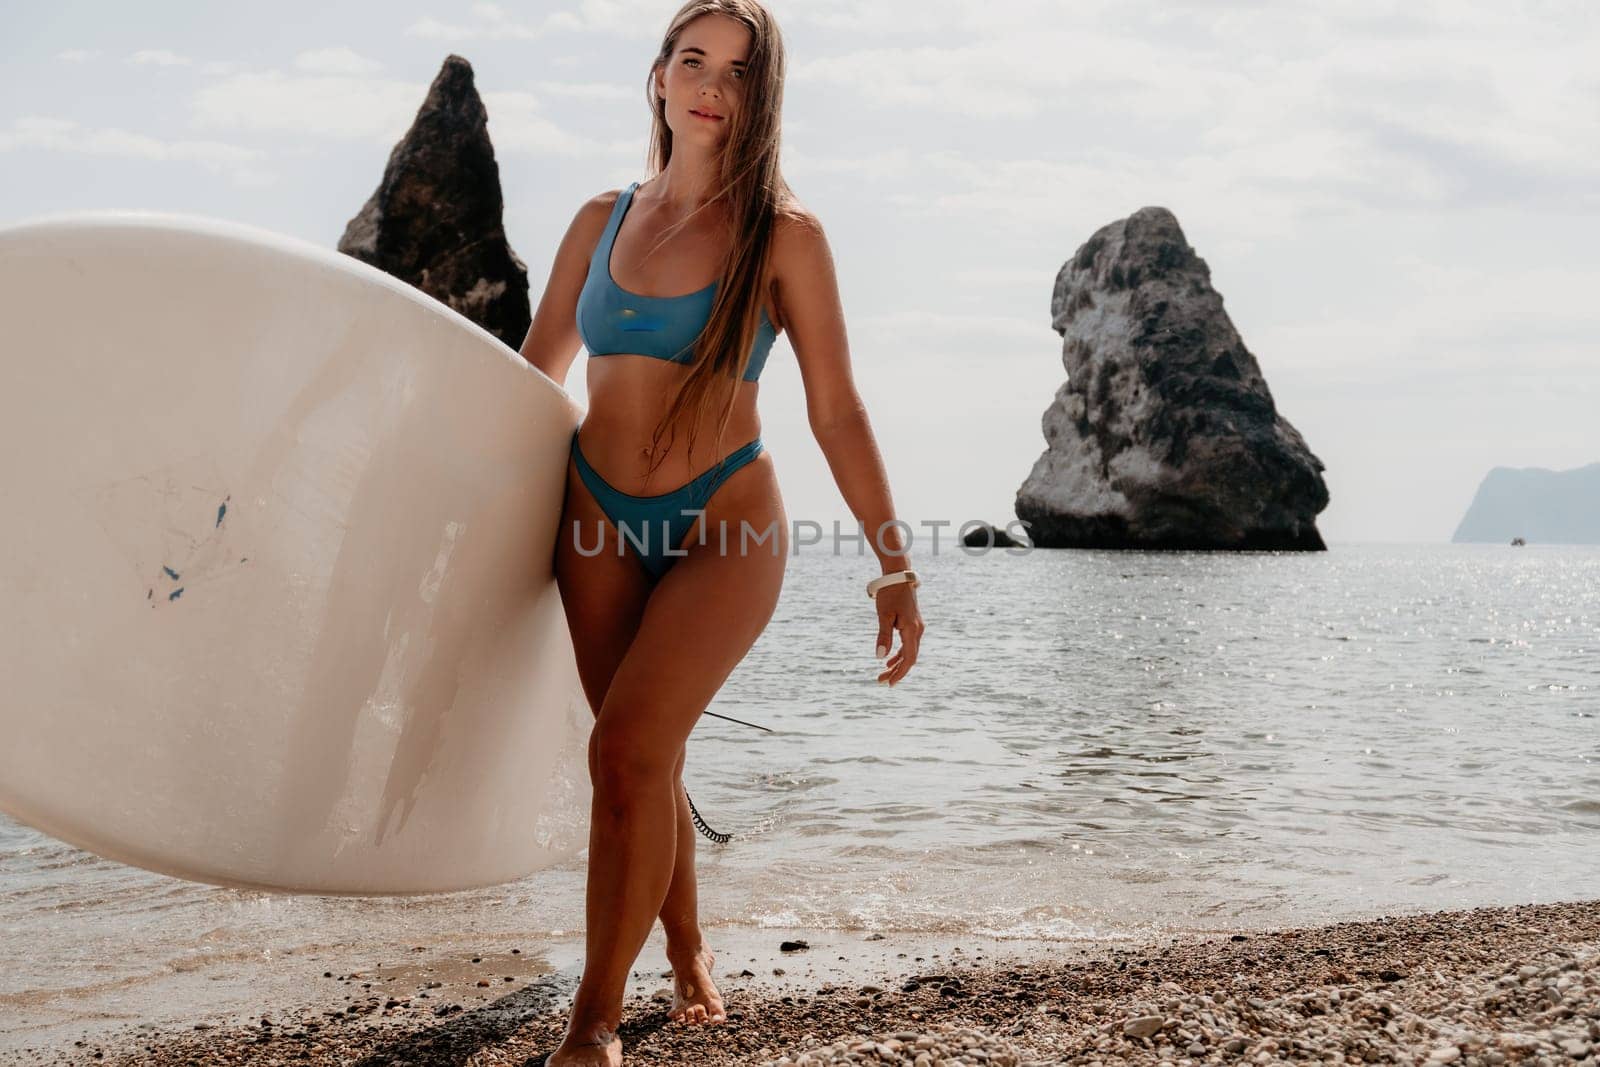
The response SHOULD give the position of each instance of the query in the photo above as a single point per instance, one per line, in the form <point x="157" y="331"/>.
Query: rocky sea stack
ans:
<point x="1164" y="434"/>
<point x="436" y="220"/>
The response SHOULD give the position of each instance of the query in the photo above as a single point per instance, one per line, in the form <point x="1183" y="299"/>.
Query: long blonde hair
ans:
<point x="750" y="184"/>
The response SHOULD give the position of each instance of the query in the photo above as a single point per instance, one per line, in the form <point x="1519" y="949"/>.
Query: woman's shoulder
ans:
<point x="790" y="213"/>
<point x="589" y="223"/>
<point x="594" y="214"/>
<point x="797" y="233"/>
<point x="602" y="203"/>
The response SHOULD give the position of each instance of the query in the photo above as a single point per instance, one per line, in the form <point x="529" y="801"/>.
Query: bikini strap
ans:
<point x="613" y="225"/>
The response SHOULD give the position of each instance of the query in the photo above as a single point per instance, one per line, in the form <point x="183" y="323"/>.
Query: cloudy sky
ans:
<point x="1399" y="202"/>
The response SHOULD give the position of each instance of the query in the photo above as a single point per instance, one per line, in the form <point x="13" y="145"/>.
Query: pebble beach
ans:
<point x="1488" y="985"/>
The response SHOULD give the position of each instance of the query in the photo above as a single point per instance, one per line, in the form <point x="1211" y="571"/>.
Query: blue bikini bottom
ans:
<point x="655" y="524"/>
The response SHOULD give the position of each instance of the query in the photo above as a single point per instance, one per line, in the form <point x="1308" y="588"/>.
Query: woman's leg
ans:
<point x="602" y="593"/>
<point x="604" y="597"/>
<point x="700" y="620"/>
<point x="695" y="998"/>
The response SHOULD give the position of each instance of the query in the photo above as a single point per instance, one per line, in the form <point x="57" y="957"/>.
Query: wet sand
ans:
<point x="1488" y="985"/>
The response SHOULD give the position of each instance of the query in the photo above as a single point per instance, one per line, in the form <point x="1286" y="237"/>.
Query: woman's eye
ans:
<point x="736" y="70"/>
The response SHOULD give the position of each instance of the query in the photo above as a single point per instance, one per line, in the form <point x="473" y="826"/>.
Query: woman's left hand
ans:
<point x="897" y="610"/>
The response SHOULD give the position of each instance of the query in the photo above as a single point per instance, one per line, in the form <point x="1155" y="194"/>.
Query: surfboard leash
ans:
<point x="694" y="813"/>
<point x="700" y="824"/>
<point x="741" y="722"/>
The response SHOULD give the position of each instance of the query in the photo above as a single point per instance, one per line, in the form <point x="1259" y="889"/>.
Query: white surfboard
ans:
<point x="279" y="529"/>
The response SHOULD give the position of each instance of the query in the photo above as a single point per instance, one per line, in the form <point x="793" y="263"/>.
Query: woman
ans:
<point x="659" y="622"/>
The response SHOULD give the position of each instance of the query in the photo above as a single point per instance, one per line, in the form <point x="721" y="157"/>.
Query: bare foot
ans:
<point x="602" y="1048"/>
<point x="695" y="1000"/>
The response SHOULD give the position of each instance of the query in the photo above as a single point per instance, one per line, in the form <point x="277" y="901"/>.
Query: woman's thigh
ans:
<point x="701" y="618"/>
<point x="603" y="593"/>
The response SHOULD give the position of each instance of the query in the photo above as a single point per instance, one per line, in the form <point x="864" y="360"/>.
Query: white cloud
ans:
<point x="431" y="29"/>
<point x="316" y="106"/>
<point x="64" y="135"/>
<point x="378" y="109"/>
<point x="924" y="331"/>
<point x="591" y="90"/>
<point x="892" y="165"/>
<point x="516" y="124"/>
<point x="78" y="55"/>
<point x="499" y="27"/>
<point x="934" y="18"/>
<point x="1021" y="76"/>
<point x="159" y="57"/>
<point x="622" y="18"/>
<point x="1076" y="194"/>
<point x="1002" y="276"/>
<point x="1491" y="107"/>
<point x="1449" y="320"/>
<point x="340" y="60"/>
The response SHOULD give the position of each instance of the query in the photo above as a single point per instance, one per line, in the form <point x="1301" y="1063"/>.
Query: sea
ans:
<point x="1093" y="746"/>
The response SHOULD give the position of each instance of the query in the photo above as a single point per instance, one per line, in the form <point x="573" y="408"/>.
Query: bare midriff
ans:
<point x="628" y="397"/>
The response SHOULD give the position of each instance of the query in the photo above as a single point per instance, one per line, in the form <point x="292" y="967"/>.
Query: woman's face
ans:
<point x="705" y="74"/>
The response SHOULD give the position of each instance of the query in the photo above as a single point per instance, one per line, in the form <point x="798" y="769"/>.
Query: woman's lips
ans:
<point x="708" y="118"/>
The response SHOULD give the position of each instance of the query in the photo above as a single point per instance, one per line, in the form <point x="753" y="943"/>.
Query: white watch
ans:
<point x="907" y="577"/>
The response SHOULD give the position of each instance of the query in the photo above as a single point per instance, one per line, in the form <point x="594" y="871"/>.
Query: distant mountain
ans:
<point x="1544" y="506"/>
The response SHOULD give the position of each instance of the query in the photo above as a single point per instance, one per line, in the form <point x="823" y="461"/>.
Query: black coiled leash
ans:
<point x="700" y="824"/>
<point x="694" y="813"/>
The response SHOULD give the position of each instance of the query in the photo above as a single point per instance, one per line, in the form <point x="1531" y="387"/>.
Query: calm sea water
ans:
<point x="1093" y="745"/>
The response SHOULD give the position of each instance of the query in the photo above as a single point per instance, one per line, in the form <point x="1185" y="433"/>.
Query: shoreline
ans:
<point x="1501" y="984"/>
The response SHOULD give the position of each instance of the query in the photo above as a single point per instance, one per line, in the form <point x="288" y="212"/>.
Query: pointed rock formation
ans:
<point x="436" y="219"/>
<point x="1164" y="434"/>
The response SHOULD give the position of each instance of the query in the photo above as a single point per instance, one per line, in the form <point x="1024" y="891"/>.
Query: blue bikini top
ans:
<point x="613" y="321"/>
